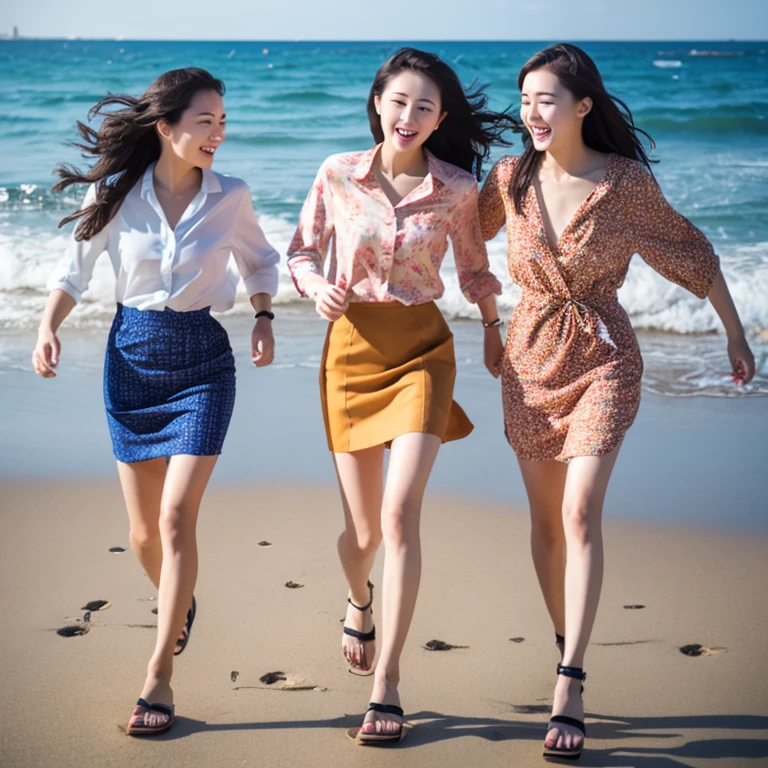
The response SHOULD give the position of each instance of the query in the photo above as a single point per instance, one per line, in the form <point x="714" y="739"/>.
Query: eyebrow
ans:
<point x="200" y="114"/>
<point x="541" y="93"/>
<point x="400" y="93"/>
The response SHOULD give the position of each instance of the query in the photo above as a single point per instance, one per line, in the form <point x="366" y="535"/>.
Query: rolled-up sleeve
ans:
<point x="309" y="246"/>
<point x="475" y="278"/>
<point x="73" y="272"/>
<point x="256" y="259"/>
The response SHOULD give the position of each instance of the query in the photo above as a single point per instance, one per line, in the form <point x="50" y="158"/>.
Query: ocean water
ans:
<point x="291" y="104"/>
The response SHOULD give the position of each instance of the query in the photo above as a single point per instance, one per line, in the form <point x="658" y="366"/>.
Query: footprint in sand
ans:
<point x="531" y="709"/>
<point x="439" y="645"/>
<point x="293" y="585"/>
<point x="289" y="682"/>
<point x="117" y="550"/>
<point x="97" y="605"/>
<point x="272" y="677"/>
<point x="82" y="627"/>
<point x="700" y="650"/>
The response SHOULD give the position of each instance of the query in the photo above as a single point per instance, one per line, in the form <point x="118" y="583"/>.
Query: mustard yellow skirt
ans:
<point x="387" y="370"/>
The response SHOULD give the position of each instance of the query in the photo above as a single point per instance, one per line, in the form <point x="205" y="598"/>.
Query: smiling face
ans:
<point x="410" y="110"/>
<point x="552" y="115"/>
<point x="199" y="132"/>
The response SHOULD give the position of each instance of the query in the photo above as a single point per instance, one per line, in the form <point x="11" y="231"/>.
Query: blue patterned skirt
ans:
<point x="169" y="384"/>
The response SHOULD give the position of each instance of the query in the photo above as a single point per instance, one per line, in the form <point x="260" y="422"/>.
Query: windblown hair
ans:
<point x="469" y="130"/>
<point x="126" y="142"/>
<point x="608" y="126"/>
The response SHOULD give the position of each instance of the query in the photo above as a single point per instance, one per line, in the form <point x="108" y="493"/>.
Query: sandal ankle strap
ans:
<point x="577" y="673"/>
<point x="370" y="601"/>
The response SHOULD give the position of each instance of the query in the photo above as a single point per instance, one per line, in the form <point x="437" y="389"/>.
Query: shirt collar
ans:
<point x="210" y="184"/>
<point x="364" y="169"/>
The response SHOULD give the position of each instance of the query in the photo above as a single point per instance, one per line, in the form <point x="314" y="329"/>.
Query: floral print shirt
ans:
<point x="380" y="252"/>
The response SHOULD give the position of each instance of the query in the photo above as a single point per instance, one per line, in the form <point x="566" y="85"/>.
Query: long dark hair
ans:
<point x="469" y="129"/>
<point x="607" y="127"/>
<point x="126" y="142"/>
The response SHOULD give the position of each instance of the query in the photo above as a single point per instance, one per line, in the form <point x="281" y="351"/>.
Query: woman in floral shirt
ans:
<point x="381" y="219"/>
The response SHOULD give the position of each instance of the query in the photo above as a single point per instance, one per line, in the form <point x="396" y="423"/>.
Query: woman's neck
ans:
<point x="572" y="160"/>
<point x="175" y="176"/>
<point x="411" y="163"/>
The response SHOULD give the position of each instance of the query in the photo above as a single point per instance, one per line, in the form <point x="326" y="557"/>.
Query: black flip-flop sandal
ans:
<point x="364" y="637"/>
<point x="181" y="643"/>
<point x="383" y="738"/>
<point x="151" y="730"/>
<point x="565" y="753"/>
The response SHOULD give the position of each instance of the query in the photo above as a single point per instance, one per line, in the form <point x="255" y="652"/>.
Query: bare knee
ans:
<point x="177" y="524"/>
<point x="580" y="523"/>
<point x="364" y="542"/>
<point x="547" y="528"/>
<point x="400" y="525"/>
<point x="144" y="537"/>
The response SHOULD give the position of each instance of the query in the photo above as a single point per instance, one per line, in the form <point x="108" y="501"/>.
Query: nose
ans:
<point x="533" y="112"/>
<point x="409" y="114"/>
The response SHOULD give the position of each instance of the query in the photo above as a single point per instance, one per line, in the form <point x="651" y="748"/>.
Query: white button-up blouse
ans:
<point x="185" y="268"/>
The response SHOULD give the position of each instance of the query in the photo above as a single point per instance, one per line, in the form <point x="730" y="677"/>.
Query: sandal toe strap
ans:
<point x="162" y="709"/>
<point x="386" y="709"/>
<point x="565" y="720"/>
<point x="364" y="636"/>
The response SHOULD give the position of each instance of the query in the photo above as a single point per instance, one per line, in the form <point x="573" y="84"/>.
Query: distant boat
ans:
<point x="694" y="52"/>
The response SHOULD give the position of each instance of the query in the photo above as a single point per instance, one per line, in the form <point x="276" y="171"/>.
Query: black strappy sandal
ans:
<point x="560" y="645"/>
<point x="564" y="753"/>
<point x="383" y="738"/>
<point x="181" y="643"/>
<point x="364" y="637"/>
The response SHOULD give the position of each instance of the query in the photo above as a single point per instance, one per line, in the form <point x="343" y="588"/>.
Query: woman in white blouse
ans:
<point x="169" y="225"/>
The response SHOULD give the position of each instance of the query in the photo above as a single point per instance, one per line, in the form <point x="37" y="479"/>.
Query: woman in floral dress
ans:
<point x="577" y="204"/>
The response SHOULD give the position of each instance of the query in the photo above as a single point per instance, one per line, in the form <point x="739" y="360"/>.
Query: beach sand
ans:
<point x="66" y="701"/>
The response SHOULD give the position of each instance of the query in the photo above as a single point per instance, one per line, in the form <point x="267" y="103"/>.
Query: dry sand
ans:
<point x="65" y="701"/>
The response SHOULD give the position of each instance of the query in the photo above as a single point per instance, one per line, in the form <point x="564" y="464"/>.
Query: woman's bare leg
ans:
<point x="360" y="482"/>
<point x="585" y="487"/>
<point x="412" y="458"/>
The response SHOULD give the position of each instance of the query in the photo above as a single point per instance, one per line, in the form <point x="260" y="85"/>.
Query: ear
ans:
<point x="442" y="117"/>
<point x="377" y="104"/>
<point x="585" y="107"/>
<point x="163" y="129"/>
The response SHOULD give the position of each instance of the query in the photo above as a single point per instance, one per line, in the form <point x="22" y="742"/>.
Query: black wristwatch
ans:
<point x="265" y="313"/>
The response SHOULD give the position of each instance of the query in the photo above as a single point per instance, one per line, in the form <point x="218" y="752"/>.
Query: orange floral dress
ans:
<point x="572" y="369"/>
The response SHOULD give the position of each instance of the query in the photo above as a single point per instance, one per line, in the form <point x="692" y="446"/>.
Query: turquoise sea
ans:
<point x="291" y="104"/>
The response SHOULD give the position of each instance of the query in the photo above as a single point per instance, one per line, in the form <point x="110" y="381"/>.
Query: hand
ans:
<point x="330" y="302"/>
<point x="493" y="351"/>
<point x="45" y="356"/>
<point x="262" y="343"/>
<point x="742" y="360"/>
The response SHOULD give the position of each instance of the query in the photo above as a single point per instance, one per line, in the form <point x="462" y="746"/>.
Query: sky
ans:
<point x="393" y="20"/>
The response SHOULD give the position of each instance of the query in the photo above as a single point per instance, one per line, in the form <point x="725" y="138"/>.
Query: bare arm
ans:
<point x="739" y="352"/>
<point x="45" y="356"/>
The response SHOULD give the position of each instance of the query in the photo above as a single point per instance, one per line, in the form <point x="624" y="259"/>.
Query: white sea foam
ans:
<point x="667" y="63"/>
<point x="27" y="257"/>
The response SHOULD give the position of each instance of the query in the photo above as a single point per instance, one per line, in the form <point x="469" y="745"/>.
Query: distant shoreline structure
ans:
<point x="119" y="39"/>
